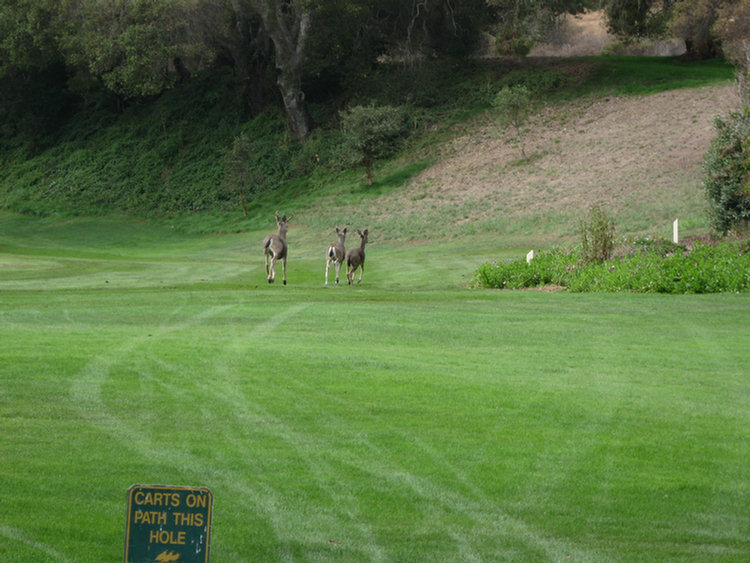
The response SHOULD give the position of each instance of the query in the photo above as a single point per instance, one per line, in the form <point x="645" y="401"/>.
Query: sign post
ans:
<point x="168" y="524"/>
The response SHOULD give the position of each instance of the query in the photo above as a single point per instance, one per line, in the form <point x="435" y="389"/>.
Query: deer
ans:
<point x="356" y="259"/>
<point x="275" y="248"/>
<point x="336" y="253"/>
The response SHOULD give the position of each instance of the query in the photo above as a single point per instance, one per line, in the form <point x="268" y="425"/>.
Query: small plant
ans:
<point x="660" y="246"/>
<point x="239" y="173"/>
<point x="372" y="131"/>
<point x="597" y="236"/>
<point x="513" y="103"/>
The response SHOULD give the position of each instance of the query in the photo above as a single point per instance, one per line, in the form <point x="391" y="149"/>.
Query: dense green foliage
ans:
<point x="597" y="236"/>
<point x="727" y="166"/>
<point x="705" y="268"/>
<point x="372" y="132"/>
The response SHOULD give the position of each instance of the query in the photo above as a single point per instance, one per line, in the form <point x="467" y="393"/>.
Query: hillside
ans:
<point x="603" y="137"/>
<point x="639" y="157"/>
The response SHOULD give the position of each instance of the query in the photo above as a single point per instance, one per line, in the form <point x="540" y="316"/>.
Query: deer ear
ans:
<point x="365" y="231"/>
<point x="344" y="231"/>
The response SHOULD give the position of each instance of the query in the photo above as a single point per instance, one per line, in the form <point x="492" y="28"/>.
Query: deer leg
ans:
<point x="361" y="271"/>
<point x="272" y="271"/>
<point x="283" y="267"/>
<point x="337" y="266"/>
<point x="328" y="263"/>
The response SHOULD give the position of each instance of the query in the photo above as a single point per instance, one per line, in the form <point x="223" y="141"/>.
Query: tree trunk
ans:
<point x="287" y="23"/>
<point x="250" y="49"/>
<point x="296" y="108"/>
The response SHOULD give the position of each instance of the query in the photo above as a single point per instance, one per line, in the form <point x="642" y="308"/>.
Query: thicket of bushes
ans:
<point x="648" y="267"/>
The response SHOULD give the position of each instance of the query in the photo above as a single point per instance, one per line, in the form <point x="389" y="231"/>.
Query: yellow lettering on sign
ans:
<point x="150" y="517"/>
<point x="188" y="519"/>
<point x="157" y="499"/>
<point x="166" y="537"/>
<point x="196" y="500"/>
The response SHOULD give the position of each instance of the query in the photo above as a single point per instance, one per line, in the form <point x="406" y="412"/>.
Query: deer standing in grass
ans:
<point x="336" y="253"/>
<point x="356" y="259"/>
<point x="274" y="247"/>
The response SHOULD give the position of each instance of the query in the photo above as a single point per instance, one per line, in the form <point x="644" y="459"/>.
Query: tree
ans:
<point x="518" y="24"/>
<point x="727" y="167"/>
<point x="240" y="173"/>
<point x="287" y="23"/>
<point x="732" y="27"/>
<point x="693" y="21"/>
<point x="513" y="103"/>
<point x="136" y="48"/>
<point x="638" y="18"/>
<point x="28" y="29"/>
<point x="372" y="131"/>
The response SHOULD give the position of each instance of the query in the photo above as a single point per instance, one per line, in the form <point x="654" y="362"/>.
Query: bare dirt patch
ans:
<point x="639" y="157"/>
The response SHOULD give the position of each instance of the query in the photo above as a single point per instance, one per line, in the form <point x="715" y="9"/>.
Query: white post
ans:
<point x="530" y="256"/>
<point x="676" y="231"/>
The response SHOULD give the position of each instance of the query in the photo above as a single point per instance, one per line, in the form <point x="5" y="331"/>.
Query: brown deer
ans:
<point x="274" y="247"/>
<point x="336" y="253"/>
<point x="356" y="259"/>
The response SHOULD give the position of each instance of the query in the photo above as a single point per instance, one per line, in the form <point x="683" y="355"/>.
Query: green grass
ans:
<point x="641" y="76"/>
<point x="406" y="419"/>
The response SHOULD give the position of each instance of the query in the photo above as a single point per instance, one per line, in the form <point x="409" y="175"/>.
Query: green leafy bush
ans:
<point x="372" y="131"/>
<point x="704" y="269"/>
<point x="548" y="268"/>
<point x="537" y="81"/>
<point x="660" y="246"/>
<point x="597" y="236"/>
<point x="513" y="104"/>
<point x="727" y="167"/>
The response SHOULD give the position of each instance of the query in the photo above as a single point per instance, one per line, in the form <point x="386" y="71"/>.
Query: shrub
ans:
<point x="240" y="174"/>
<point x="548" y="268"/>
<point x="372" y="131"/>
<point x="513" y="103"/>
<point x="597" y="236"/>
<point x="704" y="269"/>
<point x="537" y="81"/>
<point x="660" y="246"/>
<point x="727" y="167"/>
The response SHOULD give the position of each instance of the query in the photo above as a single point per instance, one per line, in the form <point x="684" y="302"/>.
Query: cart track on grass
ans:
<point x="334" y="446"/>
<point x="18" y="536"/>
